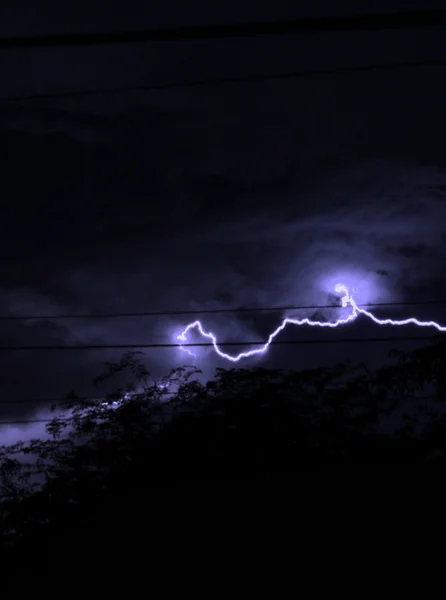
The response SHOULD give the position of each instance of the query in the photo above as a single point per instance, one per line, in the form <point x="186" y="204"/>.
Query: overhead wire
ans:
<point x="217" y="81"/>
<point x="25" y="422"/>
<point x="81" y="397"/>
<point x="210" y="311"/>
<point x="9" y="348"/>
<point x="303" y="25"/>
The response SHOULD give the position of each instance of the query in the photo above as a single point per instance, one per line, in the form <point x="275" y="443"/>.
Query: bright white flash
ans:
<point x="347" y="300"/>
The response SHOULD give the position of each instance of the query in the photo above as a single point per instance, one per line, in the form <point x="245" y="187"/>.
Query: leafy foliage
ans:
<point x="243" y="424"/>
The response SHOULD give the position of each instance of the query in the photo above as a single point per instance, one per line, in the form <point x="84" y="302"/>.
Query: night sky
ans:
<point x="258" y="194"/>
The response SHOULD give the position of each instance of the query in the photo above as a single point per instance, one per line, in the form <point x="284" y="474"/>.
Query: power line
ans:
<point x="225" y="80"/>
<point x="364" y="22"/>
<point x="210" y="311"/>
<point x="209" y="344"/>
<point x="23" y="422"/>
<point x="50" y="400"/>
<point x="81" y="398"/>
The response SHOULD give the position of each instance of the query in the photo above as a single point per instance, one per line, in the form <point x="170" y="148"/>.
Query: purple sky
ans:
<point x="247" y="195"/>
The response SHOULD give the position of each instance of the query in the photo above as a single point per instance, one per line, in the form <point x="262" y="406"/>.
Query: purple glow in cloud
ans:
<point x="346" y="301"/>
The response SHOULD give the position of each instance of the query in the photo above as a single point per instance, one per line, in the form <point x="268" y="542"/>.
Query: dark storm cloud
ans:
<point x="287" y="245"/>
<point x="294" y="256"/>
<point x="252" y="195"/>
<point x="375" y="216"/>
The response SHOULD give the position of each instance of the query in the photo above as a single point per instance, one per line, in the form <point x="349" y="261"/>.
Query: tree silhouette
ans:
<point x="107" y="457"/>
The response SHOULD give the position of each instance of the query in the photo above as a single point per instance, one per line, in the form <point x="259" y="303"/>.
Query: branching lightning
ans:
<point x="346" y="301"/>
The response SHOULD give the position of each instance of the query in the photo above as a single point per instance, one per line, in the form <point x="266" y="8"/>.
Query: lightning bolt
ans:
<point x="346" y="300"/>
